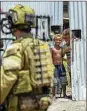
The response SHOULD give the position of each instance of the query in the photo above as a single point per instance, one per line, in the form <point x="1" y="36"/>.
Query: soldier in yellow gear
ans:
<point x="25" y="83"/>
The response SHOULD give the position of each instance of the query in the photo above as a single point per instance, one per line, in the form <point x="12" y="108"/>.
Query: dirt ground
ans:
<point x="63" y="104"/>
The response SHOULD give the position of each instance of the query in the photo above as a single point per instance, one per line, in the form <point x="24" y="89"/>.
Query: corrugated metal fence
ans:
<point x="52" y="9"/>
<point x="77" y="15"/>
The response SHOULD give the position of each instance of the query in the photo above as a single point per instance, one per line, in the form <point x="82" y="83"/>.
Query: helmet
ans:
<point x="22" y="15"/>
<point x="19" y="17"/>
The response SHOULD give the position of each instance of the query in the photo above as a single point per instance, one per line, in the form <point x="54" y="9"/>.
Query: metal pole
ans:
<point x="86" y="47"/>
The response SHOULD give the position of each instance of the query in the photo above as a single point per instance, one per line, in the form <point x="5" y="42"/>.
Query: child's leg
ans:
<point x="59" y="87"/>
<point x="55" y="82"/>
<point x="64" y="90"/>
<point x="53" y="91"/>
<point x="60" y="92"/>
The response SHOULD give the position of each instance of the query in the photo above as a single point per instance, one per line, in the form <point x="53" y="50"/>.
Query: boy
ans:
<point x="60" y="73"/>
<point x="66" y="37"/>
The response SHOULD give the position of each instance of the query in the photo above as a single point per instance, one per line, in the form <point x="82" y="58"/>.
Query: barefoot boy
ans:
<point x="60" y="73"/>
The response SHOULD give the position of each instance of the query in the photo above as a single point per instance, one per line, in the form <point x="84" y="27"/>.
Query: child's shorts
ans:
<point x="60" y="74"/>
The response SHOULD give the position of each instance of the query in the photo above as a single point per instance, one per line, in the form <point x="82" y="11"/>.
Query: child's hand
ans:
<point x="67" y="49"/>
